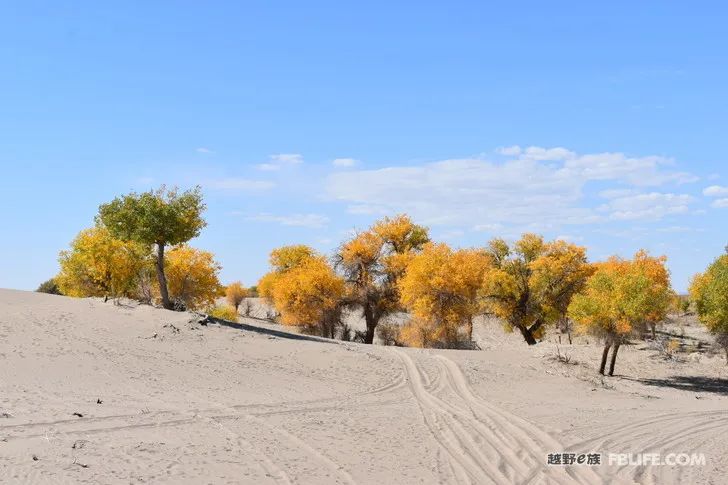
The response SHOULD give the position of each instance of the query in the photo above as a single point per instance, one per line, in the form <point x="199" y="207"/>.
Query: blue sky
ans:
<point x="302" y="121"/>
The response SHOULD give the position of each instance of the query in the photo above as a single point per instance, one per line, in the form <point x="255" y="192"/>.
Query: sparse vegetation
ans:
<point x="138" y="250"/>
<point x="235" y="293"/>
<point x="50" y="287"/>
<point x="224" y="312"/>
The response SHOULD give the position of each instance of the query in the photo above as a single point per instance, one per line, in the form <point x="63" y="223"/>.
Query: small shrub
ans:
<point x="389" y="333"/>
<point x="235" y="293"/>
<point x="667" y="347"/>
<point x="50" y="287"/>
<point x="224" y="312"/>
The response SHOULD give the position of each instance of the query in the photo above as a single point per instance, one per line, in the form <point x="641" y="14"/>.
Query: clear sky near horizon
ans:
<point x="601" y="122"/>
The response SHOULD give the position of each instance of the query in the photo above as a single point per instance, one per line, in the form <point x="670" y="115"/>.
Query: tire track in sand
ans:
<point x="489" y="444"/>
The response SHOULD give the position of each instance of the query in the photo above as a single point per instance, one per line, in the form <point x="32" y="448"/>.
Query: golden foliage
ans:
<point x="288" y="257"/>
<point x="709" y="292"/>
<point x="622" y="296"/>
<point x="304" y="289"/>
<point x="235" y="293"/>
<point x="192" y="277"/>
<point x="440" y="289"/>
<point x="531" y="284"/>
<point x="373" y="261"/>
<point x="98" y="264"/>
<point x="224" y="312"/>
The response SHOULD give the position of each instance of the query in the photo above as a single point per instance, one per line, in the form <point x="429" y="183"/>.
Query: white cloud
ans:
<point x="344" y="162"/>
<point x="538" y="153"/>
<point x="650" y="206"/>
<point x="514" y="150"/>
<point x="487" y="227"/>
<point x="240" y="184"/>
<point x="299" y="220"/>
<point x="204" y="150"/>
<point x="616" y="193"/>
<point x="720" y="203"/>
<point x="539" y="188"/>
<point x="715" y="191"/>
<point x="281" y="160"/>
<point x="292" y="158"/>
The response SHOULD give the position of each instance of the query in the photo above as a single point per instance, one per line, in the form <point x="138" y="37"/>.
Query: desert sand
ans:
<point x="93" y="392"/>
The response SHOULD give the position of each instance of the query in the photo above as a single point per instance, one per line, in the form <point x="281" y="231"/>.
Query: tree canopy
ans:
<point x="620" y="298"/>
<point x="304" y="289"/>
<point x="709" y="291"/>
<point x="530" y="284"/>
<point x="97" y="264"/>
<point x="373" y="261"/>
<point x="162" y="217"/>
<point x="441" y="290"/>
<point x="192" y="276"/>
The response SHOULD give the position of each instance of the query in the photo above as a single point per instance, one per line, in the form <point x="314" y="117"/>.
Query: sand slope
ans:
<point x="184" y="403"/>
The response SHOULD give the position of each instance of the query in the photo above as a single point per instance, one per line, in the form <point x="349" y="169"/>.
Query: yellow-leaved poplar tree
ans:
<point x="440" y="289"/>
<point x="304" y="289"/>
<point x="709" y="292"/>
<point x="617" y="301"/>
<point x="529" y="285"/>
<point x="660" y="296"/>
<point x="235" y="293"/>
<point x="97" y="264"/>
<point x="192" y="277"/>
<point x="373" y="261"/>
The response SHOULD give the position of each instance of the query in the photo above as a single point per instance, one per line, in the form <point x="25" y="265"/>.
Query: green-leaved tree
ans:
<point x="161" y="218"/>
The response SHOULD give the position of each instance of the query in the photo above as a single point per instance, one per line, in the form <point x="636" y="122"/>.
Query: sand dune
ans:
<point x="100" y="393"/>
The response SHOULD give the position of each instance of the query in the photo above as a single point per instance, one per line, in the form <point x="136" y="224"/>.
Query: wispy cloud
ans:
<point x="651" y="206"/>
<point x="535" y="187"/>
<point x="204" y="150"/>
<point x="344" y="162"/>
<point x="715" y="191"/>
<point x="720" y="203"/>
<point x="299" y="220"/>
<point x="281" y="160"/>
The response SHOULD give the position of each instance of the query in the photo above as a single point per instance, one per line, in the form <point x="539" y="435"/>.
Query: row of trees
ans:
<point x="530" y="284"/>
<point x="138" y="249"/>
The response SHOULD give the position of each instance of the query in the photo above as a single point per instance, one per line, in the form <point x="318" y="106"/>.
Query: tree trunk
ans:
<point x="527" y="335"/>
<point x="161" y="278"/>
<point x="605" y="353"/>
<point x="569" y="334"/>
<point x="470" y="329"/>
<point x="652" y="326"/>
<point x="371" y="325"/>
<point x="614" y="358"/>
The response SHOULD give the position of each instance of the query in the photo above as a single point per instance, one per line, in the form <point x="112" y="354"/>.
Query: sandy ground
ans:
<point x="91" y="392"/>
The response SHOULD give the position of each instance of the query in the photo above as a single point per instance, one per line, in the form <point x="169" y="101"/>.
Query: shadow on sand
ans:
<point x="207" y="320"/>
<point x="715" y="385"/>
